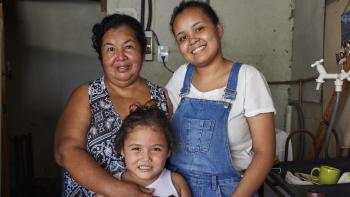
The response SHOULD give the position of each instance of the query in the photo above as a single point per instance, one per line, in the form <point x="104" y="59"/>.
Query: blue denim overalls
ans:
<point x="202" y="154"/>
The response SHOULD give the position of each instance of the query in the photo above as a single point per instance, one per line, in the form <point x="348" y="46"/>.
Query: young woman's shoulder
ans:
<point x="180" y="72"/>
<point x="180" y="185"/>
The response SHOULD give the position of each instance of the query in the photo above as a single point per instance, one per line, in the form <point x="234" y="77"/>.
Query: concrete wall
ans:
<point x="51" y="55"/>
<point x="263" y="39"/>
<point x="307" y="48"/>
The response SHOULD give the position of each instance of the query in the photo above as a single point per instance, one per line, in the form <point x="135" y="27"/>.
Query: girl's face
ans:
<point x="145" y="151"/>
<point x="197" y="37"/>
<point x="121" y="56"/>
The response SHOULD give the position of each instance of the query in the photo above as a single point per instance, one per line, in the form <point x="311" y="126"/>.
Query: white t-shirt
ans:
<point x="163" y="186"/>
<point x="253" y="97"/>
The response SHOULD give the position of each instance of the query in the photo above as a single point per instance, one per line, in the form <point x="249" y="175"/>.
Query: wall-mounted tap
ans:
<point x="324" y="75"/>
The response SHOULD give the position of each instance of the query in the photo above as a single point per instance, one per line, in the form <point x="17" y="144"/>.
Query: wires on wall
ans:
<point x="148" y="27"/>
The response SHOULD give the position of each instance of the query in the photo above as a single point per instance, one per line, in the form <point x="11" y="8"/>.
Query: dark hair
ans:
<point x="112" y="22"/>
<point x="145" y="115"/>
<point x="184" y="5"/>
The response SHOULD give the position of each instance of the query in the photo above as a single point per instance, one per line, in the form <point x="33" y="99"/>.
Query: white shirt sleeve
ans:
<point x="257" y="95"/>
<point x="175" y="84"/>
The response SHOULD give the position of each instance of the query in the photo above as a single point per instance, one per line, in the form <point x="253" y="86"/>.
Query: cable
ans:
<point x="164" y="64"/>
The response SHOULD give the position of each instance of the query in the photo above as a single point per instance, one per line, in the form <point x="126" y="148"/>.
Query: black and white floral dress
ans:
<point x="103" y="129"/>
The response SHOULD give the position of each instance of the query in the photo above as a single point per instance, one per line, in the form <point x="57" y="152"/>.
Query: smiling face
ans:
<point x="197" y="37"/>
<point x="121" y="56"/>
<point x="145" y="150"/>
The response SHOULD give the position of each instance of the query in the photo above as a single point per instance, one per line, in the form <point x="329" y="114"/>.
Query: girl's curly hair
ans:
<point x="148" y="114"/>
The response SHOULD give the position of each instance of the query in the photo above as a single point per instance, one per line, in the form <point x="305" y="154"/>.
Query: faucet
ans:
<point x="339" y="77"/>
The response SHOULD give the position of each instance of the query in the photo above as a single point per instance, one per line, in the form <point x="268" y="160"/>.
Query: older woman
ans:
<point x="91" y="119"/>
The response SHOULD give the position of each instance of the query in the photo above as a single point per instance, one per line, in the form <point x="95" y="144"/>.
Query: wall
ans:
<point x="263" y="39"/>
<point x="1" y="68"/>
<point x="51" y="55"/>
<point x="331" y="46"/>
<point x="307" y="48"/>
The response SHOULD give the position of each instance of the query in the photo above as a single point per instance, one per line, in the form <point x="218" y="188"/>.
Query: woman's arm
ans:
<point x="262" y="128"/>
<point x="180" y="185"/>
<point x="70" y="152"/>
<point x="168" y="101"/>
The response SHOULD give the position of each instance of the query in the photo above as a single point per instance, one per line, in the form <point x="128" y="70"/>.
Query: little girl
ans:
<point x="145" y="141"/>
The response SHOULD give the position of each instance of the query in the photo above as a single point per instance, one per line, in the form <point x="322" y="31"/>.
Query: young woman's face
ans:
<point x="121" y="56"/>
<point x="145" y="151"/>
<point x="197" y="37"/>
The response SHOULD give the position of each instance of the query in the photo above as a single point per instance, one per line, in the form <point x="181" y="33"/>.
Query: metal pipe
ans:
<point x="291" y="81"/>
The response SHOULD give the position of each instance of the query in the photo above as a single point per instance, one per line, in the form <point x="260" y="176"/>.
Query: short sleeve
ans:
<point x="257" y="97"/>
<point x="175" y="84"/>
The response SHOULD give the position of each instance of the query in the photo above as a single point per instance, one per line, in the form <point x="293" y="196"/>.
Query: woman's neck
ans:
<point x="212" y="76"/>
<point x="125" y="91"/>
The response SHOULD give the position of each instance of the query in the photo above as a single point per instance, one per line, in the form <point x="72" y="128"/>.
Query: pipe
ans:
<point x="291" y="81"/>
<point x="301" y="127"/>
<point x="331" y="124"/>
<point x="142" y="19"/>
<point x="286" y="146"/>
<point x="149" y="19"/>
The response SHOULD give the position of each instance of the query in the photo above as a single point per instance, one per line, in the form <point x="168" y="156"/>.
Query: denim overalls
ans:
<point x="202" y="154"/>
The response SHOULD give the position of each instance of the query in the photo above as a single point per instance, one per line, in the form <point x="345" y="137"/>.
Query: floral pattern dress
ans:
<point x="103" y="129"/>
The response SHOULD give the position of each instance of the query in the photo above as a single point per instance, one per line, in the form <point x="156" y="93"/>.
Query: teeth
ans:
<point x="122" y="68"/>
<point x="198" y="49"/>
<point x="143" y="167"/>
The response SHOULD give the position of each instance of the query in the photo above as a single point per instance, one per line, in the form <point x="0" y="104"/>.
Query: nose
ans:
<point x="120" y="55"/>
<point x="146" y="156"/>
<point x="193" y="39"/>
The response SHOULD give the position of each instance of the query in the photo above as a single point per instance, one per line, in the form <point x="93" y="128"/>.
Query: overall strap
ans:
<point x="231" y="88"/>
<point x="187" y="81"/>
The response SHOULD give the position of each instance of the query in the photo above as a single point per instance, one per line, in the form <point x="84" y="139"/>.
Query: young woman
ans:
<point x="223" y="111"/>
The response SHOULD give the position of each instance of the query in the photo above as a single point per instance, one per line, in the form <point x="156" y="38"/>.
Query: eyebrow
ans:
<point x="162" y="145"/>
<point x="126" y="42"/>
<point x="195" y="24"/>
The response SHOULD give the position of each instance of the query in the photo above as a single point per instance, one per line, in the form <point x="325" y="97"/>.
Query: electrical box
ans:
<point x="149" y="46"/>
<point x="163" y="53"/>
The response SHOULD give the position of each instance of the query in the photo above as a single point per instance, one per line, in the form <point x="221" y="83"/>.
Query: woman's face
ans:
<point x="197" y="37"/>
<point x="121" y="56"/>
<point x="145" y="150"/>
